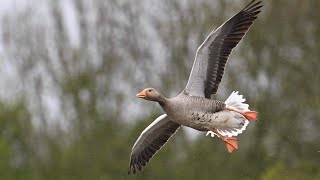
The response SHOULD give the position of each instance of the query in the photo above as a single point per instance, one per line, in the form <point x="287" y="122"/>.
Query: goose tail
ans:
<point x="237" y="101"/>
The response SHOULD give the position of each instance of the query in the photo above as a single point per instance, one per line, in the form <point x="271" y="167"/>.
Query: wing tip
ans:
<point x="134" y="164"/>
<point x="133" y="169"/>
<point x="252" y="6"/>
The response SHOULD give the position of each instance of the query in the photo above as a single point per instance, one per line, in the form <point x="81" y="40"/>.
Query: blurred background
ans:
<point x="70" y="69"/>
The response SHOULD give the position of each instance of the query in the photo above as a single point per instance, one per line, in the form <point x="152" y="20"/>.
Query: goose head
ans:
<point x="150" y="94"/>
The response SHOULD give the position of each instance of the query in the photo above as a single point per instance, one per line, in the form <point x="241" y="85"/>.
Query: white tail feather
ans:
<point x="235" y="100"/>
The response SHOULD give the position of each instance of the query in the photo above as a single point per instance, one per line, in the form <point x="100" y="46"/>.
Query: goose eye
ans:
<point x="150" y="90"/>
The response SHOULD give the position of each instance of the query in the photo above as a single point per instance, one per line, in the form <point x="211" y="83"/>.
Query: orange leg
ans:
<point x="231" y="142"/>
<point x="249" y="115"/>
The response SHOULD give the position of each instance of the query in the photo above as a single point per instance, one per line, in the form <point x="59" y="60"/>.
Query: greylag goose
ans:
<point x="193" y="107"/>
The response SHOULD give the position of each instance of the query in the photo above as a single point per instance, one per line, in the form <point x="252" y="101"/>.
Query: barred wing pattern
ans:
<point x="213" y="53"/>
<point x="150" y="141"/>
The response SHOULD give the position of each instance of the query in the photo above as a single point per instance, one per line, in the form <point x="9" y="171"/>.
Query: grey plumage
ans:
<point x="212" y="55"/>
<point x="194" y="107"/>
<point x="196" y="112"/>
<point x="150" y="141"/>
<point x="190" y="111"/>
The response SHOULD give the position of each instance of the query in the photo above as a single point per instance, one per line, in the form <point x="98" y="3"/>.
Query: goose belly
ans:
<point x="204" y="121"/>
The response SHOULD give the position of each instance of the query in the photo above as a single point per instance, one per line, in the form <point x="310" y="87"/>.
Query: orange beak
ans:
<point x="142" y="94"/>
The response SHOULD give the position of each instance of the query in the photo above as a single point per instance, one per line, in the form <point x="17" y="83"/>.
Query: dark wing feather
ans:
<point x="212" y="55"/>
<point x="150" y="141"/>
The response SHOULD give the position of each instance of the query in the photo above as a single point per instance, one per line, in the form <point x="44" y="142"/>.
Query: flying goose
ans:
<point x="193" y="107"/>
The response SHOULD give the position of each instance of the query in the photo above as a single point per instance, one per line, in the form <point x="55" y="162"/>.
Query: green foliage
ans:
<point x="279" y="170"/>
<point x="15" y="133"/>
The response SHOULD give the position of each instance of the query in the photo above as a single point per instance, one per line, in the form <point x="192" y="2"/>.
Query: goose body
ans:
<point x="193" y="107"/>
<point x="196" y="112"/>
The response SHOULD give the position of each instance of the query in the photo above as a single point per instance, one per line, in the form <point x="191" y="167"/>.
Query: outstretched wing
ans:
<point x="150" y="141"/>
<point x="213" y="53"/>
